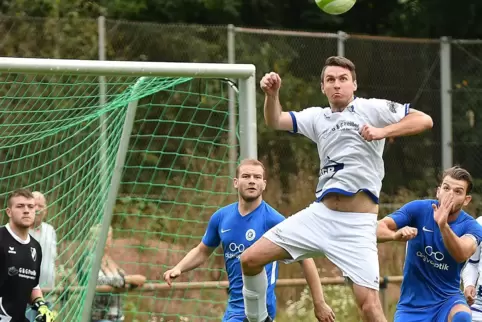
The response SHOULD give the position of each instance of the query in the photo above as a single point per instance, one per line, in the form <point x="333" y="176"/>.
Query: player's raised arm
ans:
<point x="387" y="231"/>
<point x="415" y="122"/>
<point x="460" y="248"/>
<point x="395" y="227"/>
<point x="391" y="119"/>
<point x="273" y="113"/>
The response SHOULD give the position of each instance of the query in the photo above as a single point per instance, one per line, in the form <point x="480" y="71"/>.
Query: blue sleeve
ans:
<point x="405" y="216"/>
<point x="475" y="229"/>
<point x="273" y="219"/>
<point x="211" y="236"/>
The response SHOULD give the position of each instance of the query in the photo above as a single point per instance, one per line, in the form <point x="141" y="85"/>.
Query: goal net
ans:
<point x="151" y="157"/>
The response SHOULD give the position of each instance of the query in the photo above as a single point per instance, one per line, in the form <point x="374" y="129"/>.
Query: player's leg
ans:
<point x="291" y="240"/>
<point x="368" y="302"/>
<point x="352" y="248"/>
<point x="460" y="313"/>
<point x="255" y="281"/>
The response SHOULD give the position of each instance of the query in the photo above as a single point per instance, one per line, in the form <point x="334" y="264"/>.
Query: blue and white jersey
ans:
<point x="236" y="233"/>
<point x="431" y="275"/>
<point x="476" y="264"/>
<point x="348" y="163"/>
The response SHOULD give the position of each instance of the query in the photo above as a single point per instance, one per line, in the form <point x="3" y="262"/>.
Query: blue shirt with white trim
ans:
<point x="349" y="163"/>
<point x="430" y="275"/>
<point x="236" y="233"/>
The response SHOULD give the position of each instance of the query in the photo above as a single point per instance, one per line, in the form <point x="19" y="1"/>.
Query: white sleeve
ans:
<point x="470" y="272"/>
<point x="304" y="121"/>
<point x="37" y="287"/>
<point x="383" y="112"/>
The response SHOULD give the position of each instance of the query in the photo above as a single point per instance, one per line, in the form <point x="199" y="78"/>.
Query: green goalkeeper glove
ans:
<point x="43" y="312"/>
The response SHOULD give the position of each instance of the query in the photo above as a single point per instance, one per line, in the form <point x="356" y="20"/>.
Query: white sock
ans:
<point x="254" y="293"/>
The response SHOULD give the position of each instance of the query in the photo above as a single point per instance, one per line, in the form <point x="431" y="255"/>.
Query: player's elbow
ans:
<point x="427" y="121"/>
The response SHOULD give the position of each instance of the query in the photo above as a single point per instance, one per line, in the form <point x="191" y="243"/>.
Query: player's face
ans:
<point x="250" y="182"/>
<point x="21" y="211"/>
<point x="40" y="209"/>
<point x="338" y="86"/>
<point x="459" y="190"/>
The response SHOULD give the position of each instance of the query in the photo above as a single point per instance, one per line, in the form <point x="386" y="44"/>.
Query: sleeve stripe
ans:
<point x="407" y="109"/>
<point x="473" y="262"/>
<point x="295" y="124"/>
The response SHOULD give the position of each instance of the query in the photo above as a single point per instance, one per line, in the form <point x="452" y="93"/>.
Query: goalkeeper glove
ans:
<point x="43" y="312"/>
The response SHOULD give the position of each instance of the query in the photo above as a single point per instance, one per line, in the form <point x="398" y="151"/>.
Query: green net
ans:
<point x="56" y="138"/>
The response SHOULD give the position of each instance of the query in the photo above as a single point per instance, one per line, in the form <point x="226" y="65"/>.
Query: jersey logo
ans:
<point x="235" y="251"/>
<point x="433" y="258"/>
<point x="12" y="271"/>
<point x="11" y="250"/>
<point x="250" y="234"/>
<point x="225" y="230"/>
<point x="331" y="167"/>
<point x="33" y="252"/>
<point x="427" y="230"/>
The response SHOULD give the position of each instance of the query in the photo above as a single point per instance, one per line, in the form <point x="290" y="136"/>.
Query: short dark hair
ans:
<point x="458" y="173"/>
<point x="250" y="162"/>
<point x="19" y="193"/>
<point x="339" y="61"/>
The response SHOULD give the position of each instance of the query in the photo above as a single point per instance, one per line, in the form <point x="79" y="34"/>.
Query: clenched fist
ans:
<point x="270" y="84"/>
<point x="371" y="133"/>
<point x="406" y="233"/>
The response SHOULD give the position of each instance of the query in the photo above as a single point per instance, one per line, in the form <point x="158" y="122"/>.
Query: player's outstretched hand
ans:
<point x="171" y="274"/>
<point x="371" y="133"/>
<point x="406" y="233"/>
<point x="324" y="313"/>
<point x="469" y="293"/>
<point x="442" y="211"/>
<point x="270" y="83"/>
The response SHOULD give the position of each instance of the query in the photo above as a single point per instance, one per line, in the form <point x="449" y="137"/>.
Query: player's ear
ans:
<point x="322" y="88"/>
<point x="264" y="184"/>
<point x="355" y="85"/>
<point x="437" y="192"/>
<point x="235" y="183"/>
<point x="9" y="212"/>
<point x="467" y="200"/>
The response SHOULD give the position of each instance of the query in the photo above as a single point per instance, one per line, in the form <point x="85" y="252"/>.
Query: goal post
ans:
<point x="144" y="79"/>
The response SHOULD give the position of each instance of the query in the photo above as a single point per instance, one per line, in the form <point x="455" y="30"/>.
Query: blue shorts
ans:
<point x="436" y="313"/>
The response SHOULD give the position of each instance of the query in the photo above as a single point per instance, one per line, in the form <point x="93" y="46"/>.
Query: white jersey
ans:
<point x="349" y="163"/>
<point x="472" y="275"/>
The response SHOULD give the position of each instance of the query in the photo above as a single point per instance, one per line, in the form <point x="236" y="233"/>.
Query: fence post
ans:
<point x="446" y="102"/>
<point x="341" y="43"/>
<point x="233" y="155"/>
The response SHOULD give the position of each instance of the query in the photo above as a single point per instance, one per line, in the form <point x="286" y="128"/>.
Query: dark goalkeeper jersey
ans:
<point x="19" y="274"/>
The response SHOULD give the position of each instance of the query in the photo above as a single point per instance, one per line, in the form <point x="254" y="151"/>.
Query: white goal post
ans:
<point x="243" y="73"/>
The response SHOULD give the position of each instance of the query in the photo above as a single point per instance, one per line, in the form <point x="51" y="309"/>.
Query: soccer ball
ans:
<point x="335" y="7"/>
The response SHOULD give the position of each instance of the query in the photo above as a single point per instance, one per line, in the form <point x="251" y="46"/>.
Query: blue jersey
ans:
<point x="236" y="233"/>
<point x="431" y="276"/>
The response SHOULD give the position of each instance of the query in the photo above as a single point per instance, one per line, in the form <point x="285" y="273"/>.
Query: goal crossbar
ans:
<point x="127" y="68"/>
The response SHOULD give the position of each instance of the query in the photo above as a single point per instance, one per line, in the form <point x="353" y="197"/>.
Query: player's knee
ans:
<point x="250" y="264"/>
<point x="462" y="316"/>
<point x="371" y="306"/>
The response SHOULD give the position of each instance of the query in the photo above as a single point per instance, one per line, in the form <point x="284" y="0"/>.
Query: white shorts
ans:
<point x="476" y="316"/>
<point x="347" y="239"/>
